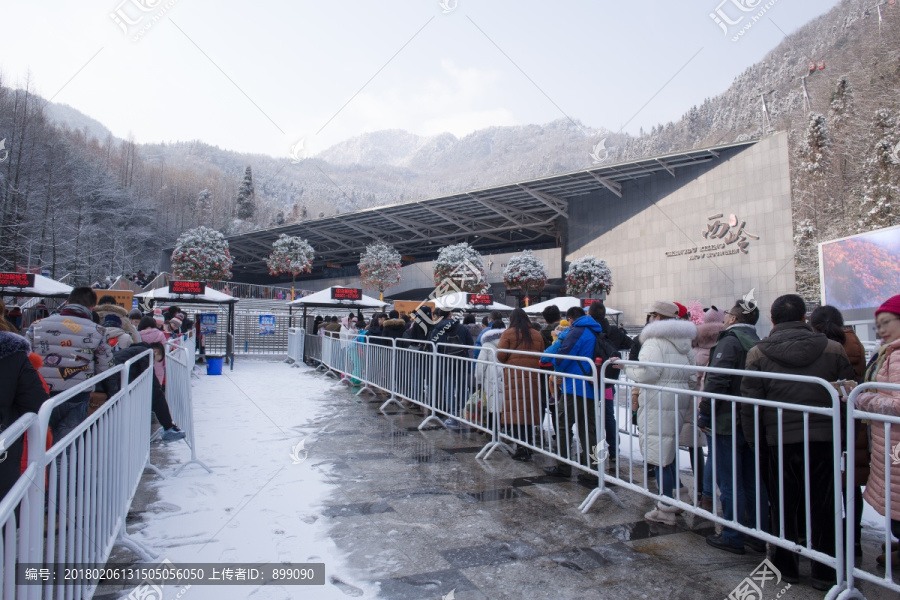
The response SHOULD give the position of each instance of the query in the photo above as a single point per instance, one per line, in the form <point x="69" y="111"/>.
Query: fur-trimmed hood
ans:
<point x="10" y="343"/>
<point x="708" y="334"/>
<point x="679" y="333"/>
<point x="105" y="309"/>
<point x="491" y="335"/>
<point x="394" y="323"/>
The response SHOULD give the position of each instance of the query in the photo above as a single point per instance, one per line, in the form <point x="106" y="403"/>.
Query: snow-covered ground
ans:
<point x="259" y="504"/>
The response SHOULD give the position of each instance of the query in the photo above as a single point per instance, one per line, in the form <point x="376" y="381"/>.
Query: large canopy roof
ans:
<point x="524" y="214"/>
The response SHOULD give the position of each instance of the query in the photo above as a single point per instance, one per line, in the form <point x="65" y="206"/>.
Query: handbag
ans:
<point x="475" y="407"/>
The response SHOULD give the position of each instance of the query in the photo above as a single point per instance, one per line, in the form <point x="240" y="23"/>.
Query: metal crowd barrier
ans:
<point x="889" y="461"/>
<point x="552" y="422"/>
<point x="70" y="504"/>
<point x="295" y="349"/>
<point x="178" y="395"/>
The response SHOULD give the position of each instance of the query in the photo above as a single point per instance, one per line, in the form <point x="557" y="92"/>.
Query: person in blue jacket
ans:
<point x="578" y="395"/>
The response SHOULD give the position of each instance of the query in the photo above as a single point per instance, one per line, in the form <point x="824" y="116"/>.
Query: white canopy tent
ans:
<point x="324" y="299"/>
<point x="458" y="301"/>
<point x="210" y="296"/>
<point x="43" y="287"/>
<point x="564" y="303"/>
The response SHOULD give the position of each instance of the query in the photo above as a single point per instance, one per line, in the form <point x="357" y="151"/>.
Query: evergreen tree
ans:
<point x="246" y="206"/>
<point x="881" y="188"/>
<point x="380" y="268"/>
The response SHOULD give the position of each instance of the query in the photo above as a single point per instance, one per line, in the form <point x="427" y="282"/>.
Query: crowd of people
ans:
<point x="86" y="337"/>
<point x="793" y="449"/>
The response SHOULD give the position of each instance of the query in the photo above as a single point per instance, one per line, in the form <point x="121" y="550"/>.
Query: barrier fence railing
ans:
<point x="179" y="367"/>
<point x="795" y="449"/>
<point x="296" y="339"/>
<point x="70" y="504"/>
<point x="884" y="430"/>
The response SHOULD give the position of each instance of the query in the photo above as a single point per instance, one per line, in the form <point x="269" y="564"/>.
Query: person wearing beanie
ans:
<point x="713" y="323"/>
<point x="682" y="311"/>
<point x="885" y="368"/>
<point x="135" y="317"/>
<point x="106" y="305"/>
<point x="118" y="338"/>
<point x="174" y="325"/>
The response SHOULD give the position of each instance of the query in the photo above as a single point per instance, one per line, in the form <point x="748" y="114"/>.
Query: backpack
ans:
<point x="449" y="334"/>
<point x="603" y="350"/>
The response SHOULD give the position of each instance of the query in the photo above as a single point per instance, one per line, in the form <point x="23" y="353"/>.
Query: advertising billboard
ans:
<point x="859" y="272"/>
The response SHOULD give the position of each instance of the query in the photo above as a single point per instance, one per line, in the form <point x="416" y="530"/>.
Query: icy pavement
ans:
<point x="401" y="514"/>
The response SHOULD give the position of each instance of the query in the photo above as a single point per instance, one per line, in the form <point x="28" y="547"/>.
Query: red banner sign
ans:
<point x="585" y="302"/>
<point x="187" y="287"/>
<point x="480" y="299"/>
<point x="339" y="293"/>
<point x="17" y="280"/>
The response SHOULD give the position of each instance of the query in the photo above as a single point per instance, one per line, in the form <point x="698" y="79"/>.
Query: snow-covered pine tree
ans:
<point x="204" y="205"/>
<point x="461" y="264"/>
<point x="525" y="272"/>
<point x="246" y="205"/>
<point x="588" y="275"/>
<point x="845" y="124"/>
<point x="379" y="267"/>
<point x="881" y="187"/>
<point x="201" y="254"/>
<point x="814" y="214"/>
<point x="290" y="254"/>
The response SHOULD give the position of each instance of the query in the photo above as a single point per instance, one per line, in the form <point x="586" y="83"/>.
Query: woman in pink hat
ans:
<point x="885" y="368"/>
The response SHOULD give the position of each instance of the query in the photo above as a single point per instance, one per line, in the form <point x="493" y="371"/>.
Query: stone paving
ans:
<point x="424" y="517"/>
<point x="419" y="517"/>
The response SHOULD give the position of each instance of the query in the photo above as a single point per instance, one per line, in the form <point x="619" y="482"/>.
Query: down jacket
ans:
<point x="489" y="375"/>
<point x="522" y="388"/>
<point x="792" y="348"/>
<point x="661" y="415"/>
<point x="73" y="347"/>
<point x="885" y="402"/>
<point x="127" y="326"/>
<point x="149" y="336"/>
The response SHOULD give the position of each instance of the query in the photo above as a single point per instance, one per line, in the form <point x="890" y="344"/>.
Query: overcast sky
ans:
<point x="259" y="76"/>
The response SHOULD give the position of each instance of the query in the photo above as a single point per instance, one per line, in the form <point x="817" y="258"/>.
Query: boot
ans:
<point x="881" y="559"/>
<point x="663" y="513"/>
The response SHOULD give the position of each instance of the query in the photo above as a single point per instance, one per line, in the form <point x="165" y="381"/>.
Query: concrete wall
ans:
<point x="421" y="275"/>
<point x="662" y="214"/>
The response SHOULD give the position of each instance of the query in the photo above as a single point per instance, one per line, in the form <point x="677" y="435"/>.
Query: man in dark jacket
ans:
<point x="794" y="348"/>
<point x="394" y="326"/>
<point x="453" y="375"/>
<point x="551" y="319"/>
<point x="620" y="341"/>
<point x="730" y="352"/>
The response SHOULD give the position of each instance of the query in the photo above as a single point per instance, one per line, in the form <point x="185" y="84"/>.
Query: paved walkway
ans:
<point x="414" y="515"/>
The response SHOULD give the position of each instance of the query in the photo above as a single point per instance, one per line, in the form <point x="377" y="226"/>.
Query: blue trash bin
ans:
<point x="214" y="365"/>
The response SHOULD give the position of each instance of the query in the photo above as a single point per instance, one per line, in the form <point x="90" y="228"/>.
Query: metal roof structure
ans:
<point x="521" y="215"/>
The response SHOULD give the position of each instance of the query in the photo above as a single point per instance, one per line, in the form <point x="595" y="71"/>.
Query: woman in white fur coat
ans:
<point x="662" y="415"/>
<point x="489" y="378"/>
